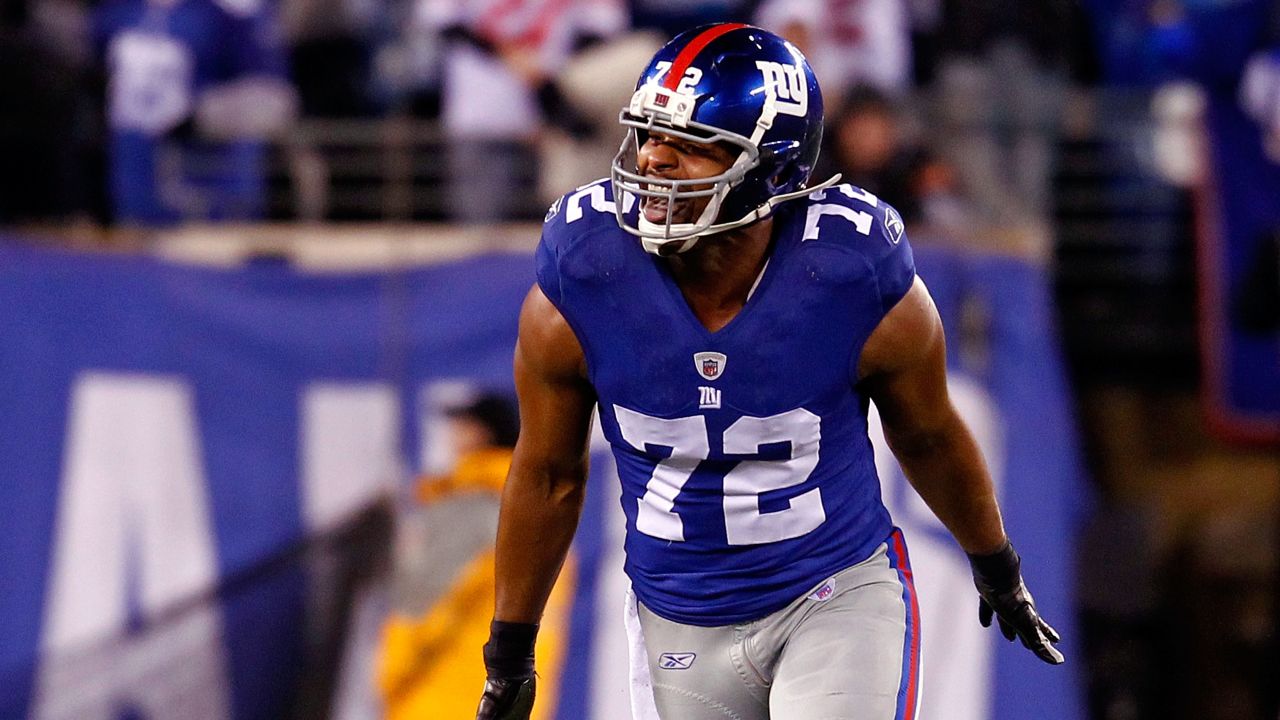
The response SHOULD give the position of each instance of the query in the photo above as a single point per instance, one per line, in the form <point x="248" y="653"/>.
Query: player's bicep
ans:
<point x="556" y="401"/>
<point x="903" y="367"/>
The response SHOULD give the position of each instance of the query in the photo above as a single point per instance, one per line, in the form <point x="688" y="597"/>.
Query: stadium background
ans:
<point x="247" y="285"/>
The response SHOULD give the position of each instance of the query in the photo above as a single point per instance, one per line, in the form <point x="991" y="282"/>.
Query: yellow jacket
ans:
<point x="431" y="666"/>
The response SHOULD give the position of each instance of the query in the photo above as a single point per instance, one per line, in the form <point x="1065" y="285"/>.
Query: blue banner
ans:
<point x="93" y="344"/>
<point x="1240" y="275"/>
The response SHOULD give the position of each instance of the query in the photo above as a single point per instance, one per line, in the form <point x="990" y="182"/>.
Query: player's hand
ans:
<point x="508" y="661"/>
<point x="1004" y="596"/>
<point x="507" y="699"/>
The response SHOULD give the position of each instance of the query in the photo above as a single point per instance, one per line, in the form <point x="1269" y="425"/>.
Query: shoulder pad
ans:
<point x="865" y="218"/>
<point x="587" y="211"/>
<point x="857" y="220"/>
<point x="576" y="213"/>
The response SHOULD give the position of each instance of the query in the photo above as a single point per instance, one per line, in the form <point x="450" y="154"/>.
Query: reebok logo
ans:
<point x="676" y="661"/>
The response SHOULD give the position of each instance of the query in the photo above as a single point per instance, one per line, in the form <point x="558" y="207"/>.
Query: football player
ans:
<point x="732" y="322"/>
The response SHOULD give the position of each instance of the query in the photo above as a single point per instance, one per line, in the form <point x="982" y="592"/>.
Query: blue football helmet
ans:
<point x="726" y="83"/>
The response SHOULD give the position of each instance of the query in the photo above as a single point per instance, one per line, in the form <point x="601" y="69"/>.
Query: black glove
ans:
<point x="998" y="577"/>
<point x="508" y="660"/>
<point x="506" y="699"/>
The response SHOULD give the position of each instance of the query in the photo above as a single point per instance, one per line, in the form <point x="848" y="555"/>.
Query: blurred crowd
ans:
<point x="148" y="112"/>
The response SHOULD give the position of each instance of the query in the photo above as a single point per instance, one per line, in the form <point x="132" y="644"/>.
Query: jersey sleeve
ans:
<point x="547" y="270"/>
<point x="559" y="263"/>
<point x="569" y="224"/>
<point x="894" y="266"/>
<point x="548" y="255"/>
<point x="863" y="223"/>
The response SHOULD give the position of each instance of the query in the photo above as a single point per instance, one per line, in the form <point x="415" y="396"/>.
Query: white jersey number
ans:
<point x="861" y="220"/>
<point x="745" y="524"/>
<point x="594" y="194"/>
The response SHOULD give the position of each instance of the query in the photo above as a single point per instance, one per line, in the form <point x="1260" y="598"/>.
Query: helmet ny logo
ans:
<point x="785" y="85"/>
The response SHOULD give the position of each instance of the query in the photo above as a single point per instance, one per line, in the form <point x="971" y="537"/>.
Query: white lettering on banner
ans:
<point x="173" y="671"/>
<point x="787" y="86"/>
<point x="595" y="192"/>
<point x="133" y="519"/>
<point x="350" y="449"/>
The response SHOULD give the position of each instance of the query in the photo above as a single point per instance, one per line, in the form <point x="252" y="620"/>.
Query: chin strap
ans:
<point x="776" y="200"/>
<point x="673" y="246"/>
<point x="659" y="245"/>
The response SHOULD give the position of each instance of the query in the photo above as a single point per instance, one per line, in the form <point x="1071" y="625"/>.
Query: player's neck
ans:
<point x="718" y="273"/>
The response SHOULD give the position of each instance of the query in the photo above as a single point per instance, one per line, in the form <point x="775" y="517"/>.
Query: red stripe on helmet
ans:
<point x="690" y="51"/>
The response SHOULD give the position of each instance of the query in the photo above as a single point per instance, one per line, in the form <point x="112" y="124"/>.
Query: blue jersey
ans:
<point x="159" y="58"/>
<point x="747" y="474"/>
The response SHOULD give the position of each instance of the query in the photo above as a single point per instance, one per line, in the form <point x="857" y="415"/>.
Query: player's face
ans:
<point x="674" y="158"/>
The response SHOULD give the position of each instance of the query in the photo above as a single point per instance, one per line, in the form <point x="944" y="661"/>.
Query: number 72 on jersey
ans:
<point x="689" y="444"/>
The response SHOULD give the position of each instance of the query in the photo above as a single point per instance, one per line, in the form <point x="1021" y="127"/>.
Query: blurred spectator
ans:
<point x="1260" y="93"/>
<point x="865" y="144"/>
<point x="848" y="42"/>
<point x="481" y="434"/>
<point x="498" y="86"/>
<point x="597" y="83"/>
<point x="194" y="86"/>
<point x="64" y="26"/>
<point x="1257" y="301"/>
<point x="330" y="59"/>
<point x="1130" y="56"/>
<point x="1002" y="76"/>
<point x="672" y="17"/>
<point x="42" y="123"/>
<point x="1148" y="42"/>
<point x="1223" y="595"/>
<point x="446" y="601"/>
<point x="925" y="19"/>
<point x="408" y="60"/>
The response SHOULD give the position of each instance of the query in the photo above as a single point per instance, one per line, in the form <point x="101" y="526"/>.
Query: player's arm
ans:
<point x="903" y="369"/>
<point x="541" y="501"/>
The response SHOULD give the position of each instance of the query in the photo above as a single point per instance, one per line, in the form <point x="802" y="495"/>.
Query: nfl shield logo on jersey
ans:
<point x="710" y="364"/>
<point x="825" y="592"/>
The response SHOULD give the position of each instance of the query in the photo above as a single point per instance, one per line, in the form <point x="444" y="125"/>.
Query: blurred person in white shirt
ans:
<point x="849" y="42"/>
<point x="498" y="68"/>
